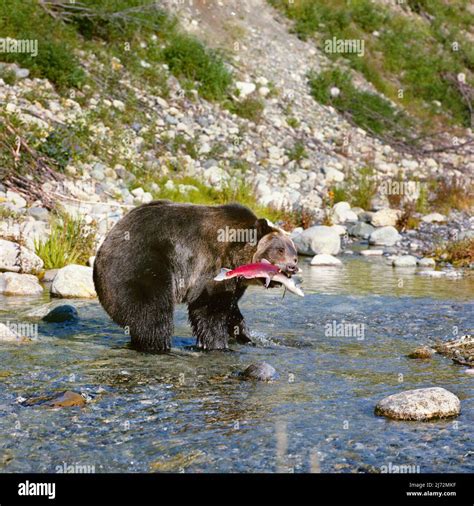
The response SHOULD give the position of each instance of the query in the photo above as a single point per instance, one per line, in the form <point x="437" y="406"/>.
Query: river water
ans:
<point x="190" y="412"/>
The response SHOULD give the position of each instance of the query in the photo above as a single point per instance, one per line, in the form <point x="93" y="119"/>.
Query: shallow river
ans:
<point x="190" y="411"/>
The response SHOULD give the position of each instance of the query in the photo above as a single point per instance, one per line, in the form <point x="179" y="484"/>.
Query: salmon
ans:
<point x="264" y="270"/>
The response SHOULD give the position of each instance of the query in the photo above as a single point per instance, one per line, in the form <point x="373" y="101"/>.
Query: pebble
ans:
<point x="261" y="372"/>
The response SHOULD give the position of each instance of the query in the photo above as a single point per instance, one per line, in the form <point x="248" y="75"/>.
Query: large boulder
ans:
<point x="384" y="236"/>
<point x="385" y="218"/>
<point x="12" y="283"/>
<point x="434" y="218"/>
<point x="420" y="404"/>
<point x="16" y="258"/>
<point x="361" y="230"/>
<point x="74" y="281"/>
<point x="317" y="240"/>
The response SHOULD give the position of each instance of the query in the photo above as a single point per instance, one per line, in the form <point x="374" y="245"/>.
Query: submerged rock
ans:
<point x="65" y="399"/>
<point x="261" y="372"/>
<point x="420" y="404"/>
<point x="361" y="230"/>
<point x="423" y="352"/>
<point x="60" y="314"/>
<point x="74" y="281"/>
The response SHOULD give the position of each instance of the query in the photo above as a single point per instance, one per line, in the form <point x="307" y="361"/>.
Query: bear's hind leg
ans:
<point x="151" y="326"/>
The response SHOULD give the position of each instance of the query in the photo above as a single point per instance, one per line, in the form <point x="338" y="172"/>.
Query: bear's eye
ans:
<point x="281" y="250"/>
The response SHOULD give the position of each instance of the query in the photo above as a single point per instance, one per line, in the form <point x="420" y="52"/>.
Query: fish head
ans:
<point x="278" y="249"/>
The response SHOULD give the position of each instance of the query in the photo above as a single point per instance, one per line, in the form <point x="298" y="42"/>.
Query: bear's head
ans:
<point x="276" y="247"/>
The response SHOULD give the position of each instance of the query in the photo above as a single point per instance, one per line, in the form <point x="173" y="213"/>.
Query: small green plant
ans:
<point x="361" y="187"/>
<point x="8" y="75"/>
<point x="250" y="108"/>
<point x="293" y="122"/>
<point x="297" y="152"/>
<point x="452" y="193"/>
<point x="71" y="242"/>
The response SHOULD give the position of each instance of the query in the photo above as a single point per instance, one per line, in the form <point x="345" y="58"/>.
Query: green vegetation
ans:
<point x="250" y="108"/>
<point x="366" y="110"/>
<point x="457" y="253"/>
<point x="71" y="242"/>
<point x="400" y="52"/>
<point x="55" y="60"/>
<point x="452" y="193"/>
<point x="187" y="58"/>
<point x="297" y="152"/>
<point x="358" y="189"/>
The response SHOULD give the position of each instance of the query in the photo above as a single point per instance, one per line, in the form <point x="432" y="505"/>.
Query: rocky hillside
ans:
<point x="210" y="102"/>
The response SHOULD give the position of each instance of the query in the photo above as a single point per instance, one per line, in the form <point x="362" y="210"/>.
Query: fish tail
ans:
<point x="222" y="275"/>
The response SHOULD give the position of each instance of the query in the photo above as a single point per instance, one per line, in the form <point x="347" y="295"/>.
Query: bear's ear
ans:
<point x="263" y="228"/>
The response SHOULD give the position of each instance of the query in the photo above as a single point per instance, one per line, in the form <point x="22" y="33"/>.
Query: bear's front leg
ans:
<point x="216" y="317"/>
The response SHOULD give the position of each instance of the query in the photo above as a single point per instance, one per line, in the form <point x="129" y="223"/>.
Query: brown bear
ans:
<point x="164" y="253"/>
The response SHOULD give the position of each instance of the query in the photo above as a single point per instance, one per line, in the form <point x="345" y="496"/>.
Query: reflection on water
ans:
<point x="189" y="411"/>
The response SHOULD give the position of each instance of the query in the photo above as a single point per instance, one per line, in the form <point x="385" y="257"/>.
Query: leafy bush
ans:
<point x="458" y="253"/>
<point x="187" y="58"/>
<point x="55" y="59"/>
<point x="367" y="110"/>
<point x="71" y="242"/>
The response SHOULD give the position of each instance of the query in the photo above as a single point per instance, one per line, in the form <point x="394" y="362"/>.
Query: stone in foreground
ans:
<point x="261" y="372"/>
<point x="420" y="405"/>
<point x="325" y="261"/>
<point x="61" y="314"/>
<point x="74" y="281"/>
<point x="423" y="352"/>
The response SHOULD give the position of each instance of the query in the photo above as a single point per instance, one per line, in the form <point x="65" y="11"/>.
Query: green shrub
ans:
<point x="250" y="108"/>
<point x="367" y="110"/>
<point x="188" y="59"/>
<point x="55" y="59"/>
<point x="297" y="152"/>
<point x="71" y="242"/>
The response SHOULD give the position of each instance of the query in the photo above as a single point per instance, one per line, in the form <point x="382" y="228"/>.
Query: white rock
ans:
<point x="404" y="261"/>
<point x="318" y="239"/>
<point x="118" y="104"/>
<point x="384" y="236"/>
<point x="385" y="218"/>
<point x="16" y="199"/>
<point x="74" y="281"/>
<point x="372" y="252"/>
<point x="335" y="91"/>
<point x="12" y="283"/>
<point x="340" y="229"/>
<point x="325" y="260"/>
<point x="16" y="258"/>
<point x="333" y="175"/>
<point x="263" y="91"/>
<point x="420" y="404"/>
<point x="426" y="262"/>
<point x="245" y="88"/>
<point x="434" y="218"/>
